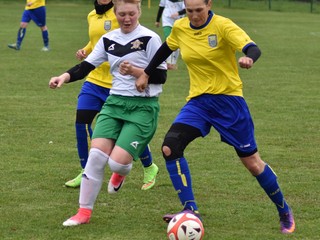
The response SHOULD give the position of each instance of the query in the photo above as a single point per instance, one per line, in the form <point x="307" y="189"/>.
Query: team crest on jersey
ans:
<point x="136" y="44"/>
<point x="212" y="40"/>
<point x="107" y="25"/>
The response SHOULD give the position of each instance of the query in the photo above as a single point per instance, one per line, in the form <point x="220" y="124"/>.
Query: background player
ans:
<point x="170" y="12"/>
<point x="35" y="10"/>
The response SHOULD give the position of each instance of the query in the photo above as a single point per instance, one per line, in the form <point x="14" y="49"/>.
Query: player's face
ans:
<point x="197" y="11"/>
<point x="127" y="15"/>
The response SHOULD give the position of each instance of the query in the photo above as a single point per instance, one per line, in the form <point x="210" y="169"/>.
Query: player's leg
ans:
<point x="45" y="37"/>
<point x="268" y="181"/>
<point x="243" y="140"/>
<point x="150" y="169"/>
<point x="25" y="19"/>
<point x="90" y="101"/>
<point x="137" y="127"/>
<point x="83" y="128"/>
<point x="92" y="180"/>
<point x="174" y="144"/>
<point x="39" y="17"/>
<point x="106" y="130"/>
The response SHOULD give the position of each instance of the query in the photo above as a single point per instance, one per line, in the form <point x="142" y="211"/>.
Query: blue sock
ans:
<point x="21" y="34"/>
<point x="181" y="179"/>
<point x="146" y="157"/>
<point x="45" y="37"/>
<point x="83" y="133"/>
<point x="268" y="181"/>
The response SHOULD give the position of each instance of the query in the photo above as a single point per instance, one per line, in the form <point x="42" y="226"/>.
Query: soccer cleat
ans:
<point x="150" y="174"/>
<point x="74" y="183"/>
<point x="45" y="49"/>
<point x="114" y="185"/>
<point x="82" y="217"/>
<point x="14" y="46"/>
<point x="287" y="224"/>
<point x="167" y="218"/>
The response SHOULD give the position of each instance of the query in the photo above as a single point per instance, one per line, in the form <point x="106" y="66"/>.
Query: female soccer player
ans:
<point x="128" y="119"/>
<point x="94" y="93"/>
<point x="208" y="43"/>
<point x="35" y="10"/>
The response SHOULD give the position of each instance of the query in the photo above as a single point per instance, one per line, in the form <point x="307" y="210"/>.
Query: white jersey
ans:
<point x="171" y="7"/>
<point x="138" y="48"/>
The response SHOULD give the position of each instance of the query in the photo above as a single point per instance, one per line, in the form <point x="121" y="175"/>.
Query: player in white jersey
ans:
<point x="129" y="118"/>
<point x="169" y="11"/>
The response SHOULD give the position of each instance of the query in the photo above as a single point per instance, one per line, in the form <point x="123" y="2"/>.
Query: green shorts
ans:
<point x="166" y="31"/>
<point x="130" y="121"/>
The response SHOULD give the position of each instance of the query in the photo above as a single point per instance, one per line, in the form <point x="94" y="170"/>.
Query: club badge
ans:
<point x="212" y="40"/>
<point x="107" y="25"/>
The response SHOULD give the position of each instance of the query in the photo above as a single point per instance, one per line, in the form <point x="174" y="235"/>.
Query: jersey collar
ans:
<point x="210" y="15"/>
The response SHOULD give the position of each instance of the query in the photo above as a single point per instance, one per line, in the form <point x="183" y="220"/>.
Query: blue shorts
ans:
<point x="92" y="97"/>
<point x="38" y="15"/>
<point x="229" y="115"/>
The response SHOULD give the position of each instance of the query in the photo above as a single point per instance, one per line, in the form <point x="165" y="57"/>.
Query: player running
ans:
<point x="94" y="92"/>
<point x="208" y="43"/>
<point x="129" y="118"/>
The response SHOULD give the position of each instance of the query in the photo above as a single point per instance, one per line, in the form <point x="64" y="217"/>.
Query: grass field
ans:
<point x="38" y="152"/>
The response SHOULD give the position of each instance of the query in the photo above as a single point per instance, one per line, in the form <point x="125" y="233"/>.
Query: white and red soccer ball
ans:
<point x="185" y="226"/>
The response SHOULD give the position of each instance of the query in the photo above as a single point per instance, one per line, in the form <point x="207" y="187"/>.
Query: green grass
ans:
<point x="273" y="5"/>
<point x="282" y="91"/>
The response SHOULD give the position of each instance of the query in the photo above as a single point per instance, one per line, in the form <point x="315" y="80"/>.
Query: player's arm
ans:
<point x="158" y="76"/>
<point x="151" y="73"/>
<point x="252" y="53"/>
<point x="73" y="74"/>
<point x="179" y="13"/>
<point x="159" y="14"/>
<point x="84" y="52"/>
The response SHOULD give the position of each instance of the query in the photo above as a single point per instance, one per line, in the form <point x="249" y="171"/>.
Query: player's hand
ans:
<point x="56" y="82"/>
<point x="174" y="15"/>
<point x="81" y="54"/>
<point x="29" y="4"/>
<point x="125" y="68"/>
<point x="142" y="82"/>
<point x="245" y="62"/>
<point x="157" y="24"/>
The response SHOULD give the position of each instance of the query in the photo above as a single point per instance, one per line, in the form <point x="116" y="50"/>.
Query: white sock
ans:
<point x="121" y="169"/>
<point x="92" y="178"/>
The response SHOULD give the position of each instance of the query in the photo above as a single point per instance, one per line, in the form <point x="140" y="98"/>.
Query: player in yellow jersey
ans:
<point x="35" y="10"/>
<point x="93" y="95"/>
<point x="208" y="43"/>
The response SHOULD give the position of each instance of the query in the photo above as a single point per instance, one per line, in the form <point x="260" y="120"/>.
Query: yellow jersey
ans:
<point x="35" y="4"/>
<point x="209" y="53"/>
<point x="98" y="26"/>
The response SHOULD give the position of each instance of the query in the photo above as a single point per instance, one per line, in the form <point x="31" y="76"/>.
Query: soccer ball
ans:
<point x="185" y="226"/>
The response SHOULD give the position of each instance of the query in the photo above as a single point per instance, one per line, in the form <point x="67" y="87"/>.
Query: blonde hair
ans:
<point x="116" y="2"/>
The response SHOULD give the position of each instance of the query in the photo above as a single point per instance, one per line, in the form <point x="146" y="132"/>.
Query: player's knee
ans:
<point x="166" y="151"/>
<point x="171" y="148"/>
<point x="85" y="116"/>
<point x="122" y="169"/>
